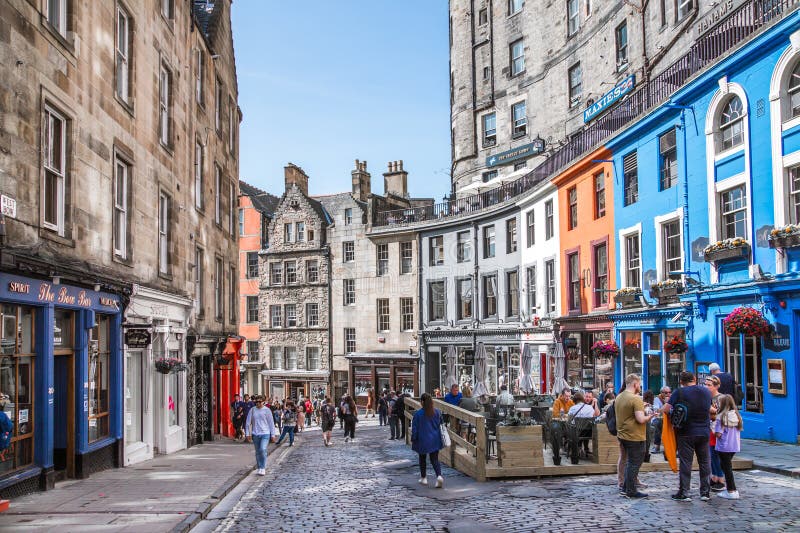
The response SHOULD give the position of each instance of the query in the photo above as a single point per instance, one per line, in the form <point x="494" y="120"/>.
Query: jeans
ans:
<point x="382" y="419"/>
<point x="687" y="447"/>
<point x="402" y="426"/>
<point x="394" y="426"/>
<point x="716" y="465"/>
<point x="350" y="426"/>
<point x="287" y="430"/>
<point x="423" y="467"/>
<point x="657" y="425"/>
<point x="261" y="442"/>
<point x="634" y="450"/>
<point x="726" y="459"/>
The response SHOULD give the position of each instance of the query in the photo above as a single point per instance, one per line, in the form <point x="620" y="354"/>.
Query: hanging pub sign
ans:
<point x="609" y="99"/>
<point x="779" y="340"/>
<point x="137" y="338"/>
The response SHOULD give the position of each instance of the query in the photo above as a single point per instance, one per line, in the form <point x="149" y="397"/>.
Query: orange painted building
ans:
<point x="255" y="211"/>
<point x="586" y="236"/>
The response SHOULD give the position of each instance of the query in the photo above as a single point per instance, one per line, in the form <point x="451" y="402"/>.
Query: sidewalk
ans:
<point x="775" y="457"/>
<point x="168" y="493"/>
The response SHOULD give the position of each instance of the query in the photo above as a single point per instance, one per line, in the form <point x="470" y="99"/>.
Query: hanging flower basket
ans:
<point x="169" y="365"/>
<point x="747" y="321"/>
<point x="785" y="237"/>
<point x="676" y="345"/>
<point x="728" y="249"/>
<point x="607" y="348"/>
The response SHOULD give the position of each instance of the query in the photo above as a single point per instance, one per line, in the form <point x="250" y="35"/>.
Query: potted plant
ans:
<point x="785" y="236"/>
<point x="666" y="289"/>
<point x="169" y="365"/>
<point x="607" y="348"/>
<point x="627" y="295"/>
<point x="726" y="249"/>
<point x="675" y="346"/>
<point x="747" y="321"/>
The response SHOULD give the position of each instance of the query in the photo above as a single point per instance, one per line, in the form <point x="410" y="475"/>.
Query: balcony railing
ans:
<point x="742" y="23"/>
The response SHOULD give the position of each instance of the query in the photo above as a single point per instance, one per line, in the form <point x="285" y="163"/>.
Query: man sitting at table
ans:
<point x="562" y="404"/>
<point x="454" y="396"/>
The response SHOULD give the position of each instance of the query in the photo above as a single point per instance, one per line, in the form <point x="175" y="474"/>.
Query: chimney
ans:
<point x="294" y="175"/>
<point x="395" y="181"/>
<point x="361" y="181"/>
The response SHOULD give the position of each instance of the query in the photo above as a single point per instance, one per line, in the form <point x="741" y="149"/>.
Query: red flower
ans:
<point x="747" y="321"/>
<point x="676" y="344"/>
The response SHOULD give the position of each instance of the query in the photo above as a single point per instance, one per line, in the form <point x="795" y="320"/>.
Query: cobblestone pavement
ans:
<point x="371" y="485"/>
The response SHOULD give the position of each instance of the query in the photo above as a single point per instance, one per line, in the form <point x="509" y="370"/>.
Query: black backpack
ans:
<point x="611" y="420"/>
<point x="680" y="413"/>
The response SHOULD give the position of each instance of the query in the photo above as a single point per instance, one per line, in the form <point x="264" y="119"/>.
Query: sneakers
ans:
<point x="705" y="497"/>
<point x="729" y="495"/>
<point x="681" y="497"/>
<point x="347" y="439"/>
<point x="353" y="439"/>
<point x="716" y="486"/>
<point x="423" y="481"/>
<point x="637" y="495"/>
<point x="261" y="472"/>
<point x="439" y="482"/>
<point x="325" y="442"/>
<point x="655" y="449"/>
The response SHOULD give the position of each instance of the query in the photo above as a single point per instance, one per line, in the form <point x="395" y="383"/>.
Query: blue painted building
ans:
<point x="61" y="367"/>
<point x="708" y="188"/>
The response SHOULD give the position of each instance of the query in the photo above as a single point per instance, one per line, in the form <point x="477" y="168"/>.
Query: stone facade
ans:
<point x="482" y="81"/>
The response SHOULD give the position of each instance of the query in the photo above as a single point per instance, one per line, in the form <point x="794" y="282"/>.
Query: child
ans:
<point x="727" y="429"/>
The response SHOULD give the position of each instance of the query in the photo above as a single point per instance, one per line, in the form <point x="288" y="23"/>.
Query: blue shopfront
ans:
<point x="61" y="368"/>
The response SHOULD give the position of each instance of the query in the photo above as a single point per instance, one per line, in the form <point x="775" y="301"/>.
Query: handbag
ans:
<point x="444" y="435"/>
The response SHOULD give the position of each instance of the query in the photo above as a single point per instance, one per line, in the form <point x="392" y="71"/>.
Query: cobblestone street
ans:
<point x="372" y="484"/>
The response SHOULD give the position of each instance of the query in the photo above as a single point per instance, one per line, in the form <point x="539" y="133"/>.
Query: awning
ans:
<point x="360" y="356"/>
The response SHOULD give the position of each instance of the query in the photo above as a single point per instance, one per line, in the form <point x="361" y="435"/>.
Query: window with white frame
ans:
<point x="57" y="15"/>
<point x="276" y="358"/>
<point x="231" y="204"/>
<point x="530" y="228"/>
<point x="313" y="359"/>
<point x="630" y="179"/>
<point x="464" y="299"/>
<point x="275" y="316"/>
<point x="744" y="362"/>
<point x="550" y="283"/>
<point x="671" y="249"/>
<point x="167" y="9"/>
<point x="488" y="176"/>
<point x="163" y="233"/>
<point x="794" y="195"/>
<point x="54" y="146"/>
<point x="382" y="253"/>
<point x="164" y="105"/>
<point x="463" y="246"/>
<point x="291" y="315"/>
<point x="793" y="92"/>
<point x="382" y="310"/>
<point x="300" y="231"/>
<point x="573" y="17"/>
<point x="490" y="296"/>
<point x="488" y="241"/>
<point x="276" y="274"/>
<point x="349" y="340"/>
<point x="252" y="309"/>
<point x="733" y="213"/>
<point x="517" y="55"/>
<point x="530" y="274"/>
<point x="436" y="250"/>
<point x="312" y="315"/>
<point x="252" y="351"/>
<point x="668" y="159"/>
<point x="519" y="119"/>
<point x="511" y="235"/>
<point x="514" y="6"/>
<point x="200" y="74"/>
<point x="683" y="8"/>
<point x="123" y="49"/>
<point x="621" y="39"/>
<point x="574" y="281"/>
<point x="348" y="216"/>
<point x="512" y="293"/>
<point x="218" y="105"/>
<point x="406" y="314"/>
<point x="312" y="271"/>
<point x="290" y="267"/>
<point x="600" y="275"/>
<point x="233" y="115"/>
<point x="198" y="175"/>
<point x="290" y="358"/>
<point x="217" y="194"/>
<point x="406" y="257"/>
<point x="575" y="84"/>
<point x="199" y="272"/>
<point x="348" y="251"/>
<point x="633" y="274"/>
<point x="233" y="303"/>
<point x="437" y="307"/>
<point x="349" y="292"/>
<point x="489" y="129"/>
<point x="483" y="17"/>
<point x="121" y="186"/>
<point x="549" y="224"/>
<point x="599" y="195"/>
<point x="218" y="288"/>
<point x="572" y="214"/>
<point x="731" y="124"/>
<point x="288" y="232"/>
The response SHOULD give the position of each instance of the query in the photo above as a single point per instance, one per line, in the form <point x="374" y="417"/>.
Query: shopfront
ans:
<point x="582" y="369"/>
<point x="61" y="366"/>
<point x="378" y="372"/>
<point x="296" y="384"/>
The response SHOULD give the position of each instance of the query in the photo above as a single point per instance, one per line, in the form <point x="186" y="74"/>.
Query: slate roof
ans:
<point x="263" y="201"/>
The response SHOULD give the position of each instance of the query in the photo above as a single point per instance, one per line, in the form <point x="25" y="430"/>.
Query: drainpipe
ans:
<point x="475" y="284"/>
<point x="686" y="247"/>
<point x="327" y="253"/>
<point x="420" y="337"/>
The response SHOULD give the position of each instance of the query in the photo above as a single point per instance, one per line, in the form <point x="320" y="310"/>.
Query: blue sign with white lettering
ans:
<point x="608" y="99"/>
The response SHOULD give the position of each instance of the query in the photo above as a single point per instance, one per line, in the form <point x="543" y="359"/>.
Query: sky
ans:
<point x="324" y="83"/>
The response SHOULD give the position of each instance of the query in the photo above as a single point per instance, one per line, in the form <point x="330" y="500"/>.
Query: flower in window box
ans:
<point x="726" y="249"/>
<point x="785" y="236"/>
<point x="747" y="321"/>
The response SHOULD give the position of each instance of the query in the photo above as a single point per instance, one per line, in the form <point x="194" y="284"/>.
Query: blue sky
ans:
<point x="323" y="83"/>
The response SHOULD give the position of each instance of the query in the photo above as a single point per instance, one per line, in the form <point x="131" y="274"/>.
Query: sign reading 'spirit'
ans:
<point x="608" y="99"/>
<point x="59" y="294"/>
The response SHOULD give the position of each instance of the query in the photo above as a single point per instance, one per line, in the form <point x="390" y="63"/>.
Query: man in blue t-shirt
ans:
<point x="726" y="381"/>
<point x="693" y="436"/>
<point x="454" y="396"/>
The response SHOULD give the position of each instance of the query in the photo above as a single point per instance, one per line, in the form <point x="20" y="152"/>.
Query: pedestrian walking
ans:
<point x="692" y="435"/>
<point x="350" y="412"/>
<point x="399" y="409"/>
<point x="370" y="404"/>
<point x="383" y="413"/>
<point x="260" y="429"/>
<point x="309" y="412"/>
<point x="340" y="412"/>
<point x="238" y="421"/>
<point x="289" y="420"/>
<point x="727" y="428"/>
<point x="426" y="439"/>
<point x="301" y="417"/>
<point x="328" y="421"/>
<point x="632" y="433"/>
<point x="394" y="420"/>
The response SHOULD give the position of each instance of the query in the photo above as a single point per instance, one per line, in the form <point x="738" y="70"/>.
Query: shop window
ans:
<point x="16" y="382"/>
<point x="133" y="396"/>
<point x="675" y="361"/>
<point x="173" y="393"/>
<point x="99" y="355"/>
<point x="632" y="352"/>
<point x="743" y="357"/>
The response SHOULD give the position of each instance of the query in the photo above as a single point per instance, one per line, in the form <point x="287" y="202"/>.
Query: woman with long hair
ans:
<point x="727" y="429"/>
<point x="426" y="439"/>
<point x="350" y="412"/>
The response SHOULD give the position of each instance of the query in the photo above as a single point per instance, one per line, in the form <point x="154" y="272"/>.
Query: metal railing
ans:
<point x="742" y="23"/>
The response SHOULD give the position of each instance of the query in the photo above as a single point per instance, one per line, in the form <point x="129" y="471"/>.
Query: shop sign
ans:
<point x="8" y="206"/>
<point x="46" y="292"/>
<point x="609" y="99"/>
<point x="779" y="340"/>
<point x="720" y="11"/>
<point x="469" y="358"/>
<point x="527" y="150"/>
<point x="137" y="338"/>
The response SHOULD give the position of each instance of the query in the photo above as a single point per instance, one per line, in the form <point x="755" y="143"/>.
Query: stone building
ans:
<point x="294" y="296"/>
<point x="118" y="174"/>
<point x="530" y="75"/>
<point x="256" y="208"/>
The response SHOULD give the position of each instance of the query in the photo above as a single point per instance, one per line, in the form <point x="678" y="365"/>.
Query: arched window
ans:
<point x="793" y="90"/>
<point x="731" y="125"/>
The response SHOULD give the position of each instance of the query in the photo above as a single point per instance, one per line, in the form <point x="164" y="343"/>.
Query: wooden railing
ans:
<point x="749" y="18"/>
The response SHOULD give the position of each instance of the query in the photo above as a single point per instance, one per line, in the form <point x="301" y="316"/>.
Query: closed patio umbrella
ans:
<point x="450" y="361"/>
<point x="480" y="372"/>
<point x="560" y="358"/>
<point x="525" y="378"/>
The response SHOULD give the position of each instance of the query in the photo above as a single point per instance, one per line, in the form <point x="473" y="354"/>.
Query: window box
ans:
<point x="666" y="291"/>
<point x="785" y="237"/>
<point x="628" y="295"/>
<point x="725" y="250"/>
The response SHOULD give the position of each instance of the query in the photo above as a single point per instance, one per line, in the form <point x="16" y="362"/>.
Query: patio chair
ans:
<point x="579" y="432"/>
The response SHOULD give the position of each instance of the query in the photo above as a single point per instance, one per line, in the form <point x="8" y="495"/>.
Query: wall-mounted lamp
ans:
<point x="97" y="287"/>
<point x="56" y="280"/>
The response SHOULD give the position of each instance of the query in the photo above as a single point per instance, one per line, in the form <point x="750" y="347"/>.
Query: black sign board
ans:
<point x="469" y="357"/>
<point x="779" y="340"/>
<point x="137" y="338"/>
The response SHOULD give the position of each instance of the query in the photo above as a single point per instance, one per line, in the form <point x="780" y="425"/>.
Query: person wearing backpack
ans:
<point x="328" y="412"/>
<point x="631" y="425"/>
<point x="394" y="421"/>
<point x="689" y="409"/>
